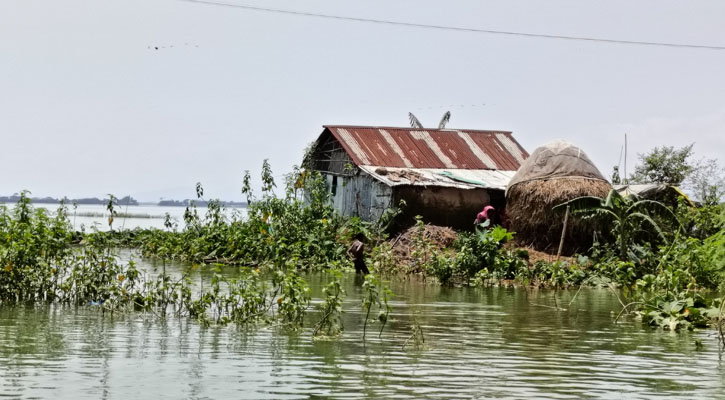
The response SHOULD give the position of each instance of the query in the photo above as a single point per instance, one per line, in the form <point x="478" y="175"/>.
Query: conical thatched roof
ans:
<point x="554" y="173"/>
<point x="557" y="159"/>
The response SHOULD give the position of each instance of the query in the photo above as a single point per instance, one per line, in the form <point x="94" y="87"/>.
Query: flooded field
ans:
<point x="89" y="216"/>
<point x="478" y="343"/>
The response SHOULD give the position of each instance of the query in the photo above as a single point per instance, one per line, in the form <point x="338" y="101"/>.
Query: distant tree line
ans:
<point x="123" y="201"/>
<point x="127" y="200"/>
<point x="199" y="203"/>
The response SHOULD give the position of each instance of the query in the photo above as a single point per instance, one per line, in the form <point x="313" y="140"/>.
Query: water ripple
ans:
<point x="478" y="344"/>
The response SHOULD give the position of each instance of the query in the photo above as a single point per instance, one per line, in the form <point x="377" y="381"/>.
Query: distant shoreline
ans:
<point x="125" y="201"/>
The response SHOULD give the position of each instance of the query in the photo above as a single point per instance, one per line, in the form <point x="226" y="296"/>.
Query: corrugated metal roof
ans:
<point x="455" y="178"/>
<point x="430" y="148"/>
<point x="651" y="190"/>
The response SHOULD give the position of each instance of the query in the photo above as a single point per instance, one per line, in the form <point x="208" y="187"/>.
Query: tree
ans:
<point x="627" y="214"/>
<point x="707" y="182"/>
<point x="664" y="165"/>
<point x="704" y="179"/>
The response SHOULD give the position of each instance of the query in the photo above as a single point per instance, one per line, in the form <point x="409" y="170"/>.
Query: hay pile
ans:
<point x="529" y="205"/>
<point x="555" y="173"/>
<point x="440" y="237"/>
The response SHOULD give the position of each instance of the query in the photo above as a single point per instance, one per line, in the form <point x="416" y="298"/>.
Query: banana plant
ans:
<point x="627" y="214"/>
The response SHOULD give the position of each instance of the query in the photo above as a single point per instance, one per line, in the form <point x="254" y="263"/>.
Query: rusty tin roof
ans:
<point x="430" y="148"/>
<point x="454" y="178"/>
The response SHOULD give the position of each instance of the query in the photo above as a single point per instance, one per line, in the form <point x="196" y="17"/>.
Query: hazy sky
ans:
<point x="89" y="107"/>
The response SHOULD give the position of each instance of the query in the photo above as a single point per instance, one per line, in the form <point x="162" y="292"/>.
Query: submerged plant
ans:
<point x="416" y="336"/>
<point x="330" y="323"/>
<point x="294" y="300"/>
<point x="376" y="295"/>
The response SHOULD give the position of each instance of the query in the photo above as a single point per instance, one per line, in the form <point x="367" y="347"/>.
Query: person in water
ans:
<point x="356" y="251"/>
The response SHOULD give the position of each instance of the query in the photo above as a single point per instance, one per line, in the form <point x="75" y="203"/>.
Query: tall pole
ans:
<point x="563" y="234"/>
<point x="625" y="180"/>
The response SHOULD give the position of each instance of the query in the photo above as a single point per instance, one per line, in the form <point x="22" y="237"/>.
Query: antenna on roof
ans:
<point x="414" y="123"/>
<point x="444" y="120"/>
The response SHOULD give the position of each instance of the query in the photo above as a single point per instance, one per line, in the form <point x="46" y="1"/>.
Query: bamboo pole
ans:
<point x="563" y="234"/>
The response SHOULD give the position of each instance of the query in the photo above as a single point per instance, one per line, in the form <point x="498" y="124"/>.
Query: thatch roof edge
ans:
<point x="555" y="178"/>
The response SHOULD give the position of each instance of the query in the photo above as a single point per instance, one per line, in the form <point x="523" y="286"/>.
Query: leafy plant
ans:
<point x="482" y="254"/>
<point x="111" y="207"/>
<point x="376" y="295"/>
<point x="267" y="178"/>
<point x="383" y="259"/>
<point x="295" y="299"/>
<point x="626" y="214"/>
<point x="247" y="186"/>
<point x="422" y="248"/>
<point x="330" y="323"/>
<point x="558" y="274"/>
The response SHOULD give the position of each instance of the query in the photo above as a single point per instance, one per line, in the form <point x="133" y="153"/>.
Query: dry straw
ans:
<point x="529" y="209"/>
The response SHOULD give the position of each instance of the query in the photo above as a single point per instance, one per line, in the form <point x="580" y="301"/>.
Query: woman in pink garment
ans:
<point x="488" y="214"/>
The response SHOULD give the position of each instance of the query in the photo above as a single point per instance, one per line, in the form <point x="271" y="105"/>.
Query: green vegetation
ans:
<point x="664" y="264"/>
<point x="668" y="165"/>
<point x="42" y="261"/>
<point x="664" y="279"/>
<point x="628" y="215"/>
<point x="289" y="230"/>
<point x="39" y="265"/>
<point x="667" y="277"/>
<point x="664" y="165"/>
<point x="376" y="295"/>
<point x="331" y="310"/>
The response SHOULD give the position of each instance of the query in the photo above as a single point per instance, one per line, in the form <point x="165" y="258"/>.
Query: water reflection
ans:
<point x="494" y="342"/>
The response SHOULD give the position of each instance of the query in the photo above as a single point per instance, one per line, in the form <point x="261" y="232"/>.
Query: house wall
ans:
<point x="363" y="196"/>
<point x="358" y="195"/>
<point x="441" y="205"/>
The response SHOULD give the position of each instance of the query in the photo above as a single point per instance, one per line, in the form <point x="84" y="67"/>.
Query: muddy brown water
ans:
<point x="479" y="343"/>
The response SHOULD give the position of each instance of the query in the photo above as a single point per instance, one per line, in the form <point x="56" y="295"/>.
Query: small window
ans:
<point x="334" y="185"/>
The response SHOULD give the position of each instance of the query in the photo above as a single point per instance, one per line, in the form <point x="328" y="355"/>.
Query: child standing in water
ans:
<point x="356" y="251"/>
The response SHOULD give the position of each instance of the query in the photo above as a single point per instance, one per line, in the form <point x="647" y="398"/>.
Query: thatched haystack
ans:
<point x="554" y="173"/>
<point x="441" y="237"/>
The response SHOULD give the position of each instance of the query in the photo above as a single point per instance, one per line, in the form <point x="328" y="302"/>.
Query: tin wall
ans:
<point x="441" y="205"/>
<point x="359" y="195"/>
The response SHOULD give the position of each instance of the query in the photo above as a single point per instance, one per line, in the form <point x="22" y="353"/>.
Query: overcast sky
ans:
<point x="88" y="106"/>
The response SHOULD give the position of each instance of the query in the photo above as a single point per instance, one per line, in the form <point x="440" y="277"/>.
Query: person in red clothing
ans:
<point x="488" y="214"/>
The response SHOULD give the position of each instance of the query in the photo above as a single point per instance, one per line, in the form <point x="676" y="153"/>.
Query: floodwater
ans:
<point x="479" y="343"/>
<point x="88" y="217"/>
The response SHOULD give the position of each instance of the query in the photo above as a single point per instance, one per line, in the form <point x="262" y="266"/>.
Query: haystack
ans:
<point x="554" y="173"/>
<point x="441" y="237"/>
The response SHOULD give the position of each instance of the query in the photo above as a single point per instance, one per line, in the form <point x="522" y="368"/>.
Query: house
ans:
<point x="445" y="175"/>
<point x="661" y="192"/>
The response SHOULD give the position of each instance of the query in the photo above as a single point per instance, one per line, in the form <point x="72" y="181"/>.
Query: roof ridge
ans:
<point x="407" y="128"/>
